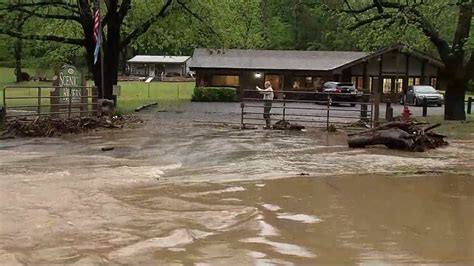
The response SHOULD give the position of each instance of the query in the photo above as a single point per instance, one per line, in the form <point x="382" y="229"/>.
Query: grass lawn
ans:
<point x="453" y="129"/>
<point x="132" y="94"/>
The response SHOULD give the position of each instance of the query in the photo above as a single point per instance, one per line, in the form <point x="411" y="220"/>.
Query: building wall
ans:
<point x="141" y="69"/>
<point x="394" y="76"/>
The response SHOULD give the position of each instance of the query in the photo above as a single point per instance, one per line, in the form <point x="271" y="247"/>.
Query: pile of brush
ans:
<point x="53" y="127"/>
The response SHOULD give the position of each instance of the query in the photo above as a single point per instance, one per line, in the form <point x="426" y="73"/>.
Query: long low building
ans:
<point x="157" y="65"/>
<point x="388" y="70"/>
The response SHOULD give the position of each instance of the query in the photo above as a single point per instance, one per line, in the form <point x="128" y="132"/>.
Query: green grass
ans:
<point x="134" y="94"/>
<point x="453" y="129"/>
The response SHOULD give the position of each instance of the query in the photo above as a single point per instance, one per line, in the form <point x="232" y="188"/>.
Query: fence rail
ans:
<point x="47" y="101"/>
<point x="313" y="109"/>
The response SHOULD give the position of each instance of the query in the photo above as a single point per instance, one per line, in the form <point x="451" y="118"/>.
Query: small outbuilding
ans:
<point x="159" y="65"/>
<point x="388" y="71"/>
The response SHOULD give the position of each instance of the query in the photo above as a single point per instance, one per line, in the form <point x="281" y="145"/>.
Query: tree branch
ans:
<point x="350" y="10"/>
<point x="124" y="7"/>
<point x="370" y="20"/>
<point x="60" y="39"/>
<point x="65" y="5"/>
<point x="463" y="27"/>
<point x="196" y="16"/>
<point x="147" y="24"/>
<point x="50" y="16"/>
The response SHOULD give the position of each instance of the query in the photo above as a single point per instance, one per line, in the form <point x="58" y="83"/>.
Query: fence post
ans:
<point x="70" y="102"/>
<point x="425" y="107"/>
<point x="39" y="102"/>
<point x="2" y="115"/>
<point x="389" y="112"/>
<point x="363" y="112"/>
<point x="376" y="111"/>
<point x="469" y="104"/>
<point x="242" y="106"/>
<point x="5" y="98"/>
<point x="327" y="114"/>
<point x="284" y="106"/>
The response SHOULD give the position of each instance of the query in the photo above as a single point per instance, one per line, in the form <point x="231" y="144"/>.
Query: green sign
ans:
<point x="70" y="82"/>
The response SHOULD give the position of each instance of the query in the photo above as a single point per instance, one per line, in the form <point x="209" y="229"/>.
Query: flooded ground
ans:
<point x="177" y="192"/>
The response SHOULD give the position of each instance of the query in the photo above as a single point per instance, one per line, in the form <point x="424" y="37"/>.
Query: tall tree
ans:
<point x="116" y="36"/>
<point x="453" y="49"/>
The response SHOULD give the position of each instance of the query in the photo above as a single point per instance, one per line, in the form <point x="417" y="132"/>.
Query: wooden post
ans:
<point x="327" y="114"/>
<point x="39" y="102"/>
<point x="388" y="112"/>
<point x="376" y="108"/>
<point x="425" y="107"/>
<point x="423" y="70"/>
<point x="363" y="112"/>
<point x="407" y="70"/>
<point x="242" y="106"/>
<point x="284" y="107"/>
<point x="70" y="102"/>
<point x="364" y="79"/>
<point x="3" y="113"/>
<point x="469" y="105"/>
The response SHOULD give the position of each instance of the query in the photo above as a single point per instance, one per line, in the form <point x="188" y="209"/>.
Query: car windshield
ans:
<point x="425" y="89"/>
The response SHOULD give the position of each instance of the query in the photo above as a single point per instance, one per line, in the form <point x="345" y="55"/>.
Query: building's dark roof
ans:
<point x="273" y="59"/>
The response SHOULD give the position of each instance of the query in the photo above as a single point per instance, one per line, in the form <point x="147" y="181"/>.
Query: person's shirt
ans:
<point x="267" y="93"/>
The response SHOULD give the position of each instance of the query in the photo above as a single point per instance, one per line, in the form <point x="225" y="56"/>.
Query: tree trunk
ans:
<point x="18" y="46"/>
<point x="454" y="101"/>
<point x="455" y="93"/>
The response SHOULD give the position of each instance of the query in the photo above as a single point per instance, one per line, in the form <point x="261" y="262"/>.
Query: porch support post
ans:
<point x="423" y="70"/>
<point x="407" y="72"/>
<point x="380" y="83"/>
<point x="364" y="78"/>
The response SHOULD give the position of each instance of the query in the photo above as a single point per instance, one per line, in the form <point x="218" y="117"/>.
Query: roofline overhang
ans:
<point x="398" y="47"/>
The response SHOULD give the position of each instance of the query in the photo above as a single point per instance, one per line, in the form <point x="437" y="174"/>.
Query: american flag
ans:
<point x="97" y="33"/>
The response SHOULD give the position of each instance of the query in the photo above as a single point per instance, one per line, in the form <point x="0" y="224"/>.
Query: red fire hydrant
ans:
<point x="406" y="113"/>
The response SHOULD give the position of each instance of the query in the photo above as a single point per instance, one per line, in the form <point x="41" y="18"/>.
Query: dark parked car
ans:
<point x="339" y="91"/>
<point x="416" y="94"/>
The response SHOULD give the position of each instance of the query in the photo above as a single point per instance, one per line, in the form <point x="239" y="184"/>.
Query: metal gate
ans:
<point x="311" y="109"/>
<point x="31" y="102"/>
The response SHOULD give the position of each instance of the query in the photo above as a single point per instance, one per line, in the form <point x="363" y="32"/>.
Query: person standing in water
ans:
<point x="267" y="101"/>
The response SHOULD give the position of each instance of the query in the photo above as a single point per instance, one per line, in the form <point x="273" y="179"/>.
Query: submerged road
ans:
<point x="178" y="192"/>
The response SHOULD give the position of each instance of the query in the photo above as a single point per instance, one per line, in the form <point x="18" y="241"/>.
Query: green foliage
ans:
<point x="214" y="94"/>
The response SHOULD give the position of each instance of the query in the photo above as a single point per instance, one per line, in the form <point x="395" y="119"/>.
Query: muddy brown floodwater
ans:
<point x="181" y="193"/>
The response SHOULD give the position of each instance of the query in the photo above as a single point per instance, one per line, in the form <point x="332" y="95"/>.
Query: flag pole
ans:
<point x="101" y="53"/>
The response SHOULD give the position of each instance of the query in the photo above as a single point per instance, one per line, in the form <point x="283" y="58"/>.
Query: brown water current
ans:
<point x="181" y="193"/>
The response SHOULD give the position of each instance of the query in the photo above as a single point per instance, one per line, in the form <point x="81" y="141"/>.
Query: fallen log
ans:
<point x="145" y="106"/>
<point x="399" y="135"/>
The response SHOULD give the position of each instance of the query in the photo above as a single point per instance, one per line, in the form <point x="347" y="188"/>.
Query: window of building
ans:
<point x="387" y="85"/>
<point x="225" y="80"/>
<point x="413" y="81"/>
<point x="304" y="83"/>
<point x="358" y="82"/>
<point x="398" y="85"/>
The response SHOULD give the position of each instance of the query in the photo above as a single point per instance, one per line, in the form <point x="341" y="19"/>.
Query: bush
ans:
<point x="24" y="76"/>
<point x="214" y="94"/>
